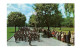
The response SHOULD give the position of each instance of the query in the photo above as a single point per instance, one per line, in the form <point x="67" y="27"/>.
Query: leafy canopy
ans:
<point x="16" y="19"/>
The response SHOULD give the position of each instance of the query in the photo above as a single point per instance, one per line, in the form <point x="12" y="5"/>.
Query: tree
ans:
<point x="69" y="8"/>
<point x="48" y="14"/>
<point x="32" y="20"/>
<point x="16" y="19"/>
<point x="68" y="22"/>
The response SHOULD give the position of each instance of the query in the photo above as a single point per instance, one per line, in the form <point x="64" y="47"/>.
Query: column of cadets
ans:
<point x="26" y="34"/>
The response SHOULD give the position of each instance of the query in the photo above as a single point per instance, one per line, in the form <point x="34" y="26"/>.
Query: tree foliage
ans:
<point x="48" y="15"/>
<point x="32" y="20"/>
<point x="16" y="19"/>
<point x="68" y="22"/>
<point x="69" y="8"/>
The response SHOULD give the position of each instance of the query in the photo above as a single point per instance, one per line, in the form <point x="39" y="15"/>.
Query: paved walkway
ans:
<point x="43" y="42"/>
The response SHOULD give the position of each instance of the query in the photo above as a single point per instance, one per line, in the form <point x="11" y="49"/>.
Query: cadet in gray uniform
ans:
<point x="38" y="37"/>
<point x="29" y="39"/>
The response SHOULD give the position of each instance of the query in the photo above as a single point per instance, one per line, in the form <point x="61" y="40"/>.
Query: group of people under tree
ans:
<point x="26" y="34"/>
<point x="62" y="36"/>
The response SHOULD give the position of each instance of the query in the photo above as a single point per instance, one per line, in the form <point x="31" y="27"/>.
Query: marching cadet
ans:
<point x="26" y="36"/>
<point x="15" y="36"/>
<point x="35" y="36"/>
<point x="29" y="37"/>
<point x="21" y="36"/>
<point x="38" y="36"/>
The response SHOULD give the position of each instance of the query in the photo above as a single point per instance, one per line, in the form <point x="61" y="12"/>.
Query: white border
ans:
<point x="3" y="27"/>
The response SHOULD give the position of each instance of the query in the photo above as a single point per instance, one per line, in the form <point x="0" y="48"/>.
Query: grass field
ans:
<point x="64" y="29"/>
<point x="10" y="32"/>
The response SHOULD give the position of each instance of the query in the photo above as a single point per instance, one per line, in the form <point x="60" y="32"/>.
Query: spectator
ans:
<point x="72" y="38"/>
<point x="69" y="36"/>
<point x="67" y="39"/>
<point x="57" y="35"/>
<point x="53" y="33"/>
<point x="62" y="36"/>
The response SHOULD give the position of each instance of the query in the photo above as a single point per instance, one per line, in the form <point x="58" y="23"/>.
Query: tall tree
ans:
<point x="32" y="20"/>
<point x="16" y="19"/>
<point x="47" y="14"/>
<point x="69" y="9"/>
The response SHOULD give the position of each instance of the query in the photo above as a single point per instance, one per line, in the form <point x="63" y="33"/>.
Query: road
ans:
<point x="43" y="42"/>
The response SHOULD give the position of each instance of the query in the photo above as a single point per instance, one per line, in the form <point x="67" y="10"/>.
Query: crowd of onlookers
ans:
<point x="62" y="36"/>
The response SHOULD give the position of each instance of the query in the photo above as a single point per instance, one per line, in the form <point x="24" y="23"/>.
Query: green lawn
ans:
<point x="64" y="29"/>
<point x="10" y="32"/>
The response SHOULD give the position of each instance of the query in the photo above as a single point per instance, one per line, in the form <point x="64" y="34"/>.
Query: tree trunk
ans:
<point x="15" y="28"/>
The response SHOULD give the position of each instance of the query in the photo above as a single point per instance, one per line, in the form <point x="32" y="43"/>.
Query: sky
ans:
<point x="25" y="9"/>
<point x="61" y="8"/>
<point x="28" y="10"/>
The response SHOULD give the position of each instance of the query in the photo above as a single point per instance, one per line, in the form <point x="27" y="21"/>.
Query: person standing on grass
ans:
<point x="69" y="36"/>
<point x="49" y="33"/>
<point x="64" y="37"/>
<point x="57" y="35"/>
<point x="60" y="36"/>
<point x="72" y="38"/>
<point x="53" y="33"/>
